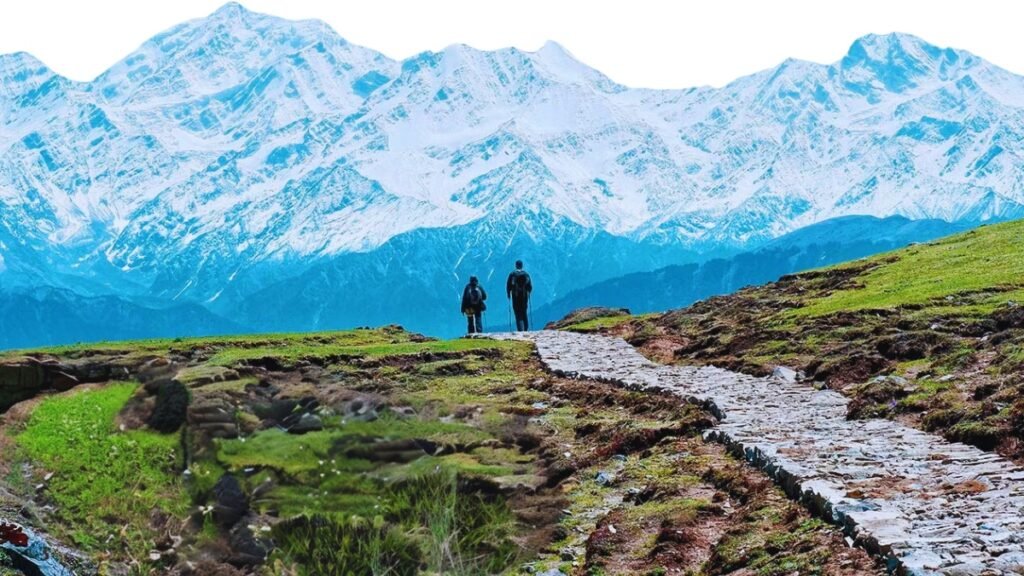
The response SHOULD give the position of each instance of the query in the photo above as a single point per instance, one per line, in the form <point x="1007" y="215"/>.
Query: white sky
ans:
<point x="640" y="43"/>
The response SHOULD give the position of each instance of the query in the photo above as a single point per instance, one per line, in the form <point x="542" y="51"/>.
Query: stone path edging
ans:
<point x="925" y="505"/>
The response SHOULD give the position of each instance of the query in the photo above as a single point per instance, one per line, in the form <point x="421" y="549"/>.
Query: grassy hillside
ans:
<point x="821" y="244"/>
<point x="932" y="334"/>
<point x="378" y="452"/>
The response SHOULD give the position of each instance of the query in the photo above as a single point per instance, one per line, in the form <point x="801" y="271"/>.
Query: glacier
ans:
<point x="274" y="174"/>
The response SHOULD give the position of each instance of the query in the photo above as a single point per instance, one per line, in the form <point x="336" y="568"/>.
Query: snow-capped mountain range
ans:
<point x="280" y="176"/>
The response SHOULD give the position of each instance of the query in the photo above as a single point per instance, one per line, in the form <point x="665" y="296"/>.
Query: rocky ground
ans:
<point x="925" y="505"/>
<point x="372" y="452"/>
<point x="931" y="336"/>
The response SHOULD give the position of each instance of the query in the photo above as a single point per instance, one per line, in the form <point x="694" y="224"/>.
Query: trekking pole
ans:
<point x="509" y="314"/>
<point x="531" y="314"/>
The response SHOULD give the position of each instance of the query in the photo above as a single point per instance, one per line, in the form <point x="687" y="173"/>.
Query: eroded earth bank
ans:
<point x="375" y="452"/>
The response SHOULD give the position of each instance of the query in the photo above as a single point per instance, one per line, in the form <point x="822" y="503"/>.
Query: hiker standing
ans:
<point x="518" y="289"/>
<point x="473" y="305"/>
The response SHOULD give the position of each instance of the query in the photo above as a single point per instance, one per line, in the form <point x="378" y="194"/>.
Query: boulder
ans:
<point x="307" y="423"/>
<point x="205" y="410"/>
<point x="62" y="381"/>
<point x="197" y="376"/>
<point x="248" y="548"/>
<point x="230" y="501"/>
<point x="20" y="380"/>
<point x="286" y="412"/>
<point x="154" y="372"/>
<point x="212" y="418"/>
<point x="786" y="374"/>
<point x="362" y="408"/>
<point x="225" y="430"/>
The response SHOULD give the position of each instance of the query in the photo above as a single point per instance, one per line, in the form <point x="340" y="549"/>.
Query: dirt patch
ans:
<point x="769" y="534"/>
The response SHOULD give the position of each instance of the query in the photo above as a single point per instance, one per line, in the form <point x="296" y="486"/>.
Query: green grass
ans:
<point x="605" y="322"/>
<point x="358" y="337"/>
<point x="986" y="258"/>
<point x="329" y="547"/>
<point x="596" y="324"/>
<point x="105" y="482"/>
<point x="298" y="454"/>
<point x="422" y="519"/>
<point x="306" y="350"/>
<point x="322" y="479"/>
<point x="458" y="526"/>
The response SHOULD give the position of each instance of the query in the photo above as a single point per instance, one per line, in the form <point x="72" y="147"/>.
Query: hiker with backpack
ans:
<point x="518" y="289"/>
<point x="473" y="305"/>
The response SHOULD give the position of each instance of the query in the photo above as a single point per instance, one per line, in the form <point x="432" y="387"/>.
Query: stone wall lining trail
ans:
<point x="927" y="506"/>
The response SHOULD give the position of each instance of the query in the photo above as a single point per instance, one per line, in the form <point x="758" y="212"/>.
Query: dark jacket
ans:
<point x="510" y="285"/>
<point x="466" y="307"/>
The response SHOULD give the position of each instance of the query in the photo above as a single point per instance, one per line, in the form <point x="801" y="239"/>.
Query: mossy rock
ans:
<point x="205" y="374"/>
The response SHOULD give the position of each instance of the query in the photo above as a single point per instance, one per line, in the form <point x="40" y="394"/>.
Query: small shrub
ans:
<point x="326" y="547"/>
<point x="466" y="532"/>
<point x="171" y="407"/>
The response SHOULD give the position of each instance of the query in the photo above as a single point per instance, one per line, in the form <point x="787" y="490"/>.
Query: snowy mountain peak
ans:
<point x="16" y="61"/>
<point x="226" y="49"/>
<point x="551" y="46"/>
<point x="900" y="61"/>
<point x="562" y="64"/>
<point x="884" y="46"/>
<point x="24" y="82"/>
<point x="241" y="144"/>
<point x="19" y="68"/>
<point x="231" y="11"/>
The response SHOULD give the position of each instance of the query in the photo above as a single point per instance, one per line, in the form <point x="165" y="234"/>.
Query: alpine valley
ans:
<point x="243" y="172"/>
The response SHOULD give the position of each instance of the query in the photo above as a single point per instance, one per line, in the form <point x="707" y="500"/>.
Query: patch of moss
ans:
<point x="769" y="546"/>
<point x="298" y="454"/>
<point x="105" y="482"/>
<point x="358" y="337"/>
<point x="598" y="324"/>
<point x="291" y="351"/>
<point x="985" y="434"/>
<point x="204" y="372"/>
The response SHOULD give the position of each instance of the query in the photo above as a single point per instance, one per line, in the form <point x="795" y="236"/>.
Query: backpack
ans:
<point x="475" y="297"/>
<point x="519" y="279"/>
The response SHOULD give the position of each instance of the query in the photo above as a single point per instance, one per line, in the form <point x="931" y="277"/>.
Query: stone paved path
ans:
<point x="926" y="505"/>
